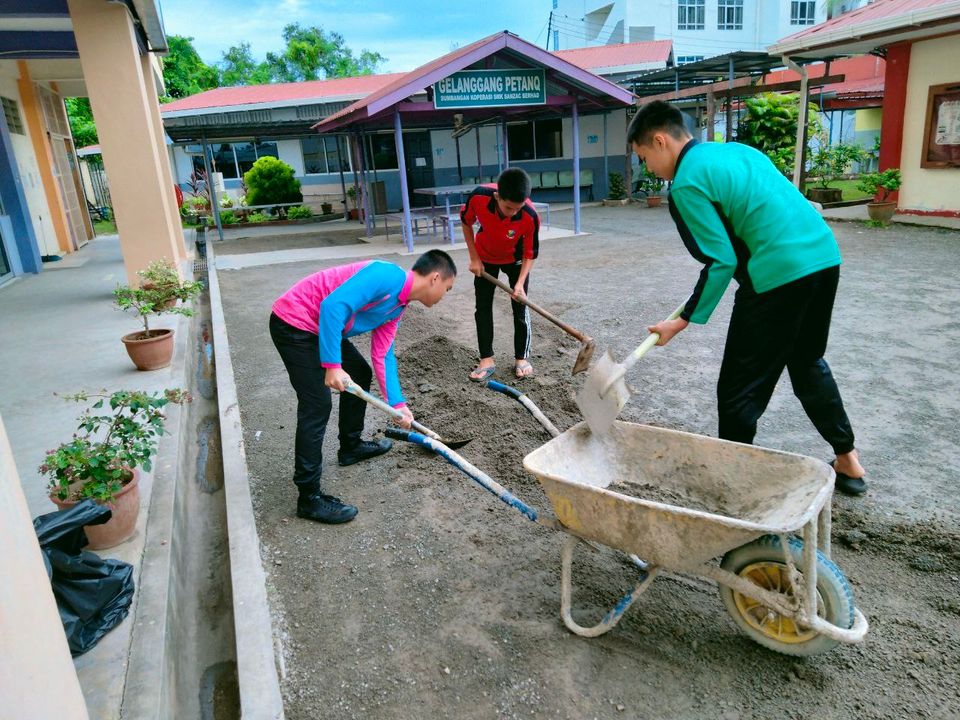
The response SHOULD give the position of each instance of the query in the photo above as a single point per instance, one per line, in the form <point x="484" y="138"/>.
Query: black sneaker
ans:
<point x="849" y="485"/>
<point x="365" y="450"/>
<point x="325" y="509"/>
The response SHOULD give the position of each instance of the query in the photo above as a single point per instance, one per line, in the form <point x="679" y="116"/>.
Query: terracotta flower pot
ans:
<point x="123" y="522"/>
<point x="654" y="200"/>
<point x="882" y="211"/>
<point x="152" y="352"/>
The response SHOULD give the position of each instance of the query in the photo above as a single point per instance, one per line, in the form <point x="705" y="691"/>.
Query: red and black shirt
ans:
<point x="501" y="240"/>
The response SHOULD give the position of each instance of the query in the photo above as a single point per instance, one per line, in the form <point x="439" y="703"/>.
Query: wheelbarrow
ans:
<point x="678" y="501"/>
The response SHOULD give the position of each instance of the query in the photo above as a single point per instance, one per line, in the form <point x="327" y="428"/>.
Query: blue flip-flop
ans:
<point x="485" y="375"/>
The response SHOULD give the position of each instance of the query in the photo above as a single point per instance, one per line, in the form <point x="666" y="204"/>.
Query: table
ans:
<point x="445" y="192"/>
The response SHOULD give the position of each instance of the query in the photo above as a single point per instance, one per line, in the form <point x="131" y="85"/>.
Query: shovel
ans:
<point x="355" y="389"/>
<point x="587" y="344"/>
<point x="605" y="392"/>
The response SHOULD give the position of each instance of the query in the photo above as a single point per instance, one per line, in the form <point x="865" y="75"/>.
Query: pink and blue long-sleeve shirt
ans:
<point x="348" y="300"/>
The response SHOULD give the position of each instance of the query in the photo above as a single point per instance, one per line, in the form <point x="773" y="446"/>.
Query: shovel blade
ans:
<point x="456" y="444"/>
<point x="584" y="357"/>
<point x="600" y="409"/>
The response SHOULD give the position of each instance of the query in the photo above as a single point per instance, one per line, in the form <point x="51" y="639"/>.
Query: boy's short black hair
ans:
<point x="513" y="185"/>
<point x="656" y="115"/>
<point x="435" y="261"/>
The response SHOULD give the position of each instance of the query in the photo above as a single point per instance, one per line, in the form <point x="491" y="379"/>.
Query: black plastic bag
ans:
<point x="93" y="593"/>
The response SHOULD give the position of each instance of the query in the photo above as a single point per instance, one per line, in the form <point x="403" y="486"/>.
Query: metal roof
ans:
<point x="704" y="72"/>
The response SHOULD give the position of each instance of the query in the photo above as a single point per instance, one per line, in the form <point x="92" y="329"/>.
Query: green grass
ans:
<point x="847" y="187"/>
<point x="104" y="227"/>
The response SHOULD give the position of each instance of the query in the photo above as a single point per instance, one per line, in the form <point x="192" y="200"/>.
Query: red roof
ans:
<point x="876" y="10"/>
<point x="635" y="53"/>
<point x="279" y="92"/>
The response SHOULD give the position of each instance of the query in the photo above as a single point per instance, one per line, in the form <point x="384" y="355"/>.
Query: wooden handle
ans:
<point x="378" y="403"/>
<point x="536" y="308"/>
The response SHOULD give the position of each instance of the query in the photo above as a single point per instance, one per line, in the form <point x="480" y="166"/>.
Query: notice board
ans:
<point x="941" y="140"/>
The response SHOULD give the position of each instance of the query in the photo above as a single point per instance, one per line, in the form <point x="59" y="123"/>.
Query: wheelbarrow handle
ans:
<point x="474" y="473"/>
<point x="355" y="389"/>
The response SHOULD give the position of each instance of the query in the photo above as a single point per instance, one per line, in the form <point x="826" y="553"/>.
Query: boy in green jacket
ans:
<point x="744" y="220"/>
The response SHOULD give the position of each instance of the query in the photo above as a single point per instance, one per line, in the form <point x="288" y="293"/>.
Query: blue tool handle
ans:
<point x="504" y="389"/>
<point x="475" y="474"/>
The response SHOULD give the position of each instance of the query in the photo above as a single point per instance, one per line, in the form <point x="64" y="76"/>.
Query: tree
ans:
<point x="184" y="73"/>
<point x="312" y="54"/>
<point x="770" y="126"/>
<point x="81" y="121"/>
<point x="238" y="67"/>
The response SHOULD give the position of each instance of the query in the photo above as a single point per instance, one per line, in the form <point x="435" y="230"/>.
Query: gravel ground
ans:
<point x="439" y="601"/>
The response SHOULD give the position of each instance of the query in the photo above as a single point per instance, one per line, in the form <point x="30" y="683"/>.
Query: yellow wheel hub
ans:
<point x="772" y="576"/>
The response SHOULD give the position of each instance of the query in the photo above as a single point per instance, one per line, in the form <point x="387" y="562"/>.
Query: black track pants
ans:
<point x="484" y="291"/>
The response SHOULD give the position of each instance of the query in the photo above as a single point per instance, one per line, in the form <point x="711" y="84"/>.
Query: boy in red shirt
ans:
<point x="508" y="241"/>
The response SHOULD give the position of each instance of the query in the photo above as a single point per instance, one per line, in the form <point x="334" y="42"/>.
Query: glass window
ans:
<point x="730" y="14"/>
<point x="267" y="148"/>
<point x="520" y="141"/>
<point x="314" y="159"/>
<point x="384" y="151"/>
<point x="12" y="113"/>
<point x="684" y="59"/>
<point x="224" y="160"/>
<point x="690" y="14"/>
<point x="337" y="163"/>
<point x="246" y="156"/>
<point x="548" y="138"/>
<point x="803" y="12"/>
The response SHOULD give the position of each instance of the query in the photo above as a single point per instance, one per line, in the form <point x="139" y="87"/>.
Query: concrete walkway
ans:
<point x="858" y="213"/>
<point x="61" y="334"/>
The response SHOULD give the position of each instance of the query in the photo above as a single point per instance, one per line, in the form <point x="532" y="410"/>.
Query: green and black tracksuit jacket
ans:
<point x="740" y="217"/>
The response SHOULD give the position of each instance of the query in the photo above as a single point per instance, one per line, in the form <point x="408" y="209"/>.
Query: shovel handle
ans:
<point x="536" y="308"/>
<point x="355" y="389"/>
<point x="641" y="350"/>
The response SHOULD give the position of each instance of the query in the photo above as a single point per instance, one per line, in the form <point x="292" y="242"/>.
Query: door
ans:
<point x="64" y="162"/>
<point x="418" y="153"/>
<point x="5" y="270"/>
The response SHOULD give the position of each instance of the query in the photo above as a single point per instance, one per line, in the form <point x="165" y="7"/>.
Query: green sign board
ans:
<point x="491" y="88"/>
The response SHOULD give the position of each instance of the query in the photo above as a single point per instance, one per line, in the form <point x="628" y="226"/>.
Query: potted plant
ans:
<point x="153" y="349"/>
<point x="881" y="184"/>
<point x="651" y="185"/>
<point x="616" y="190"/>
<point x="353" y="212"/>
<point x="101" y="461"/>
<point x="828" y="164"/>
<point x="326" y="208"/>
<point x="161" y="275"/>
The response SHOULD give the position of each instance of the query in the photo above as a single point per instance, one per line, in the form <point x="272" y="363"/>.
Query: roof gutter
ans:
<point x="148" y="12"/>
<point x="808" y="43"/>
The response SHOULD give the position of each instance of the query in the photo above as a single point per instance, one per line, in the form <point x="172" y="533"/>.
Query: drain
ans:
<point x="200" y="266"/>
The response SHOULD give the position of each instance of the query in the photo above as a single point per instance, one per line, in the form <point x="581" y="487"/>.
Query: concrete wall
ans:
<point x="37" y="677"/>
<point x="932" y="62"/>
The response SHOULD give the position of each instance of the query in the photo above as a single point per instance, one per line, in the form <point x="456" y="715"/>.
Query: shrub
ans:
<point x="828" y="162"/>
<point x="617" y="190"/>
<point x="99" y="459"/>
<point x="226" y="202"/>
<point x="258" y="217"/>
<point x="228" y="217"/>
<point x="144" y="302"/>
<point x="650" y="183"/>
<point x="770" y="125"/>
<point x="299" y="212"/>
<point x="271" y="181"/>
<point x="884" y="182"/>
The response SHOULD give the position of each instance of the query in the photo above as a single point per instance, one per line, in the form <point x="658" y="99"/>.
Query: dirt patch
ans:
<point x="440" y="601"/>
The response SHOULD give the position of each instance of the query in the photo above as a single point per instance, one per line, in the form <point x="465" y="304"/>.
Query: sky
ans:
<point x="408" y="33"/>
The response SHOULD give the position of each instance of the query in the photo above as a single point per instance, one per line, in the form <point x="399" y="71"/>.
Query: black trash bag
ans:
<point x="93" y="594"/>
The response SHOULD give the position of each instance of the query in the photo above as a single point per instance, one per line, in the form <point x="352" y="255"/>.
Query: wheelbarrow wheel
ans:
<point x="762" y="562"/>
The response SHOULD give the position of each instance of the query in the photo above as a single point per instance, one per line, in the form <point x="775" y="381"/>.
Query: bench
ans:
<point x="560" y="180"/>
<point x="433" y="218"/>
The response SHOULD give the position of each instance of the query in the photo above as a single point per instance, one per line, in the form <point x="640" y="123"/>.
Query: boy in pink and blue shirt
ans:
<point x="311" y="324"/>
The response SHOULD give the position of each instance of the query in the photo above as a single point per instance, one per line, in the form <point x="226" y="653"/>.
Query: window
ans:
<point x="224" y="160"/>
<point x="690" y="14"/>
<point x="684" y="59"/>
<point x="803" y="12"/>
<point x="234" y="159"/>
<point x="320" y="155"/>
<point x="554" y="4"/>
<point x="556" y="39"/>
<point x="730" y="14"/>
<point x="384" y="151"/>
<point x="538" y="140"/>
<point x="12" y="113"/>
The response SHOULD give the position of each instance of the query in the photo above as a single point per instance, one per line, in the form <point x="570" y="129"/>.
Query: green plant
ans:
<point x="617" y="189"/>
<point x="271" y="181"/>
<point x="352" y="194"/>
<point x="884" y="183"/>
<point x="770" y="125"/>
<point x="144" y="302"/>
<point x="829" y="162"/>
<point x="876" y="224"/>
<point x="107" y="447"/>
<point x="299" y="212"/>
<point x="258" y="217"/>
<point x="228" y="217"/>
<point x="650" y="184"/>
<point x="226" y="202"/>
